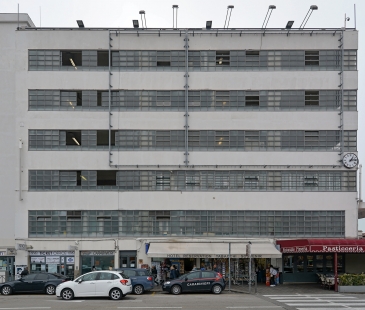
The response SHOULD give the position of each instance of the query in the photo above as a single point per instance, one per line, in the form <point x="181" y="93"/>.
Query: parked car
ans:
<point x="196" y="281"/>
<point x="35" y="282"/>
<point x="142" y="279"/>
<point x="106" y="283"/>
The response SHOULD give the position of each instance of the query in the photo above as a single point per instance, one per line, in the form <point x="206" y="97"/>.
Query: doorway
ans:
<point x="127" y="259"/>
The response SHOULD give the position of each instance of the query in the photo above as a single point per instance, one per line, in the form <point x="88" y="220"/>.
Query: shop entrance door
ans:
<point x="127" y="259"/>
<point x="11" y="268"/>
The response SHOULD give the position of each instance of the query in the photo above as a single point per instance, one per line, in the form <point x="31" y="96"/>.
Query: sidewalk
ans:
<point x="282" y="289"/>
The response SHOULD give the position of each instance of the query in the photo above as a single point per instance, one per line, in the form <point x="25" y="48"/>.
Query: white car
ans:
<point x="96" y="283"/>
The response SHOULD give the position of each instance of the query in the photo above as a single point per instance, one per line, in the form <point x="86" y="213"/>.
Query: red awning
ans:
<point x="322" y="246"/>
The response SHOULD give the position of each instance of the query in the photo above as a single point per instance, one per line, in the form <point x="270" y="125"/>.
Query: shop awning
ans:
<point x="211" y="250"/>
<point x="322" y="246"/>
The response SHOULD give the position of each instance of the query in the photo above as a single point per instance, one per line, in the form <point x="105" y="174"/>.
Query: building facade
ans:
<point x="125" y="147"/>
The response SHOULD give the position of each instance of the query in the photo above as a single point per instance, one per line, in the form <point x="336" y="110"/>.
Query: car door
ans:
<point x="40" y="281"/>
<point x="206" y="281"/>
<point x="104" y="283"/>
<point x="25" y="284"/>
<point x="191" y="282"/>
<point x="86" y="285"/>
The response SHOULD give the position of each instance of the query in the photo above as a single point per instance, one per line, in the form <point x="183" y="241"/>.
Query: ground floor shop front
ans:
<point x="75" y="257"/>
<point x="305" y="259"/>
<point x="229" y="257"/>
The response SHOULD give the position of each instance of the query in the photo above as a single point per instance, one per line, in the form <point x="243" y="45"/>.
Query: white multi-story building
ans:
<point x="125" y="147"/>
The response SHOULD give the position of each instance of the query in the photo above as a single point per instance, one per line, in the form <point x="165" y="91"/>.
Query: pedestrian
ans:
<point x="110" y="268"/>
<point x="202" y="268"/>
<point x="177" y="272"/>
<point x="93" y="268"/>
<point x="215" y="268"/>
<point x="25" y="272"/>
<point x="194" y="268"/>
<point x="154" y="274"/>
<point x="172" y="273"/>
<point x="273" y="274"/>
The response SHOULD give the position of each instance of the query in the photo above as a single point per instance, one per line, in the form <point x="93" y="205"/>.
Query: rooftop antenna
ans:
<point x="143" y="15"/>
<point x="355" y="15"/>
<point x="18" y="17"/>
<point x="229" y="9"/>
<point x="271" y="7"/>
<point x="346" y="20"/>
<point x="175" y="8"/>
<point x="304" y="22"/>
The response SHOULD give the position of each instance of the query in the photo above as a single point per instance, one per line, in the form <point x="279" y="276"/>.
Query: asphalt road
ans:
<point x="147" y="301"/>
<point x="205" y="301"/>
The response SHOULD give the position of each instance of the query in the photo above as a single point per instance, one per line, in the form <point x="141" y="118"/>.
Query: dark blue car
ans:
<point x="196" y="281"/>
<point x="142" y="279"/>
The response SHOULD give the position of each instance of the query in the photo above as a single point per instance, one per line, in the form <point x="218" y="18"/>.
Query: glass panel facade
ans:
<point x="198" y="100"/>
<point x="177" y="180"/>
<point x="248" y="223"/>
<point x="237" y="60"/>
<point x="199" y="140"/>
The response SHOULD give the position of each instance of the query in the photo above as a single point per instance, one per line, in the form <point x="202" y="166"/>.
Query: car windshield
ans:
<point x="143" y="273"/>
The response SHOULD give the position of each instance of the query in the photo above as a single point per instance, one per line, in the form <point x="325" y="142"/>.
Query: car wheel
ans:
<point x="6" y="290"/>
<point x="217" y="289"/>
<point x="115" y="294"/>
<point x="176" y="289"/>
<point x="67" y="294"/>
<point x="50" y="290"/>
<point x="138" y="290"/>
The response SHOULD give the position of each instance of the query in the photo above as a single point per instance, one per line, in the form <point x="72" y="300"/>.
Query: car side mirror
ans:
<point x="79" y="281"/>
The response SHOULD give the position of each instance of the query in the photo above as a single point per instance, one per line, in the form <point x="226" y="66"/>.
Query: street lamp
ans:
<point x="229" y="9"/>
<point x="271" y="7"/>
<point x="311" y="9"/>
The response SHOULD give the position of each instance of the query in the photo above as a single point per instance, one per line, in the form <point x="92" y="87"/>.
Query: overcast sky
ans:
<point x="194" y="13"/>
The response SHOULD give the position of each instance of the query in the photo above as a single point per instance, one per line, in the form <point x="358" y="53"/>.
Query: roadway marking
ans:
<point x="149" y="307"/>
<point x="26" y="308"/>
<point x="256" y="307"/>
<point x="319" y="301"/>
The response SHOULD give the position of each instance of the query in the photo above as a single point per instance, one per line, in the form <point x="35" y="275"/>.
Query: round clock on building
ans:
<point x="350" y="160"/>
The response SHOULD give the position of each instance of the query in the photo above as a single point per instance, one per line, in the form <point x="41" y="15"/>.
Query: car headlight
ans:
<point x="168" y="282"/>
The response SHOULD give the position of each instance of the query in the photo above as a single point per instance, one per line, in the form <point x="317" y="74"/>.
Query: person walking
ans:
<point x="215" y="268"/>
<point x="25" y="272"/>
<point x="273" y="274"/>
<point x="177" y="272"/>
<point x="172" y="273"/>
<point x="154" y="274"/>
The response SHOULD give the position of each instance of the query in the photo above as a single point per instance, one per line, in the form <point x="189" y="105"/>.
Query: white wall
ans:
<point x="16" y="120"/>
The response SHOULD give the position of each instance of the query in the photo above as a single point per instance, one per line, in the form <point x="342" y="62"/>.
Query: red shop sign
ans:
<point x="325" y="249"/>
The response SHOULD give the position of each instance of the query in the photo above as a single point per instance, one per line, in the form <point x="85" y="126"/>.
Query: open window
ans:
<point x="106" y="178"/>
<point x="73" y="137"/>
<point x="312" y="58"/>
<point x="103" y="137"/>
<point x="312" y="98"/>
<point x="103" y="58"/>
<point x="252" y="99"/>
<point x="71" y="59"/>
<point x="222" y="58"/>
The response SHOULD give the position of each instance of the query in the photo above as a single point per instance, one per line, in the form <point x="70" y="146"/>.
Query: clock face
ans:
<point x="350" y="160"/>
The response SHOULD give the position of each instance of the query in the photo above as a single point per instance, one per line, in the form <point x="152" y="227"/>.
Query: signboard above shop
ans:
<point x="322" y="246"/>
<point x="97" y="253"/>
<point x="52" y="253"/>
